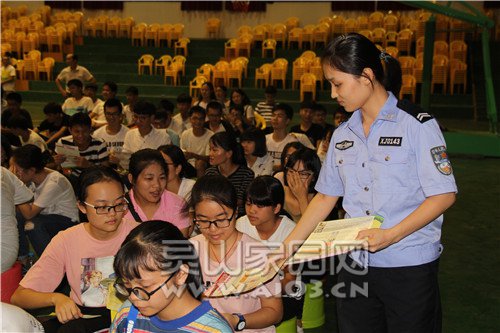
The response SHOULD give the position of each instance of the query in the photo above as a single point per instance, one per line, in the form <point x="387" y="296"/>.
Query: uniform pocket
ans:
<point x="391" y="170"/>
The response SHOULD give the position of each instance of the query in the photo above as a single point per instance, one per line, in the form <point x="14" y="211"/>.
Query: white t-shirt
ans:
<point x="72" y="105"/>
<point x="275" y="148"/>
<point x="284" y="229"/>
<point x="195" y="144"/>
<point x="98" y="113"/>
<point x="14" y="192"/>
<point x="129" y="115"/>
<point x="80" y="73"/>
<point x="56" y="196"/>
<point x="262" y="166"/>
<point x="7" y="73"/>
<point x="178" y="125"/>
<point x="115" y="142"/>
<point x="134" y="141"/>
<point x="36" y="140"/>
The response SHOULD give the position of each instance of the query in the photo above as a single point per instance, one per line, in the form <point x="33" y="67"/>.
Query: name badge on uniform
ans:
<point x="344" y="145"/>
<point x="441" y="160"/>
<point x="390" y="141"/>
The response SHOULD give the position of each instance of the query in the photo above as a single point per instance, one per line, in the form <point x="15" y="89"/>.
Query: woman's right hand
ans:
<point x="66" y="308"/>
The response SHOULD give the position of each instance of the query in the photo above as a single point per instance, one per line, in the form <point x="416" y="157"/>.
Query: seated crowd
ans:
<point x="93" y="170"/>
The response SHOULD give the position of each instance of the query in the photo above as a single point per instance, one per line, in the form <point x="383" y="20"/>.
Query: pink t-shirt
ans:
<point x="86" y="261"/>
<point x="171" y="210"/>
<point x="249" y="252"/>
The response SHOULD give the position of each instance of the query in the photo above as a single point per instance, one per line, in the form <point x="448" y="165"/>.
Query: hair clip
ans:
<point x="384" y="56"/>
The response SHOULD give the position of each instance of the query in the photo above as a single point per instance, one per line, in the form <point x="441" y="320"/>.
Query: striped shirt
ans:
<point x="96" y="152"/>
<point x="265" y="110"/>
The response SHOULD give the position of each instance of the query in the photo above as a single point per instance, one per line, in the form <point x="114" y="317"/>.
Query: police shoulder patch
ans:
<point x="441" y="160"/>
<point x="414" y="110"/>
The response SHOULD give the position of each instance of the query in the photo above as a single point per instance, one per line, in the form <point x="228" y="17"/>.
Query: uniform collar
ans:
<point x="389" y="110"/>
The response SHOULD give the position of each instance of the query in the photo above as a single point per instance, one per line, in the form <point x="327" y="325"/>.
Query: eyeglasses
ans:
<point x="139" y="292"/>
<point x="102" y="210"/>
<point x="220" y="223"/>
<point x="303" y="173"/>
<point x="112" y="114"/>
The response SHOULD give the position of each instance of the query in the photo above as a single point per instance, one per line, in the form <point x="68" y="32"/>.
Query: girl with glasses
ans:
<point x="158" y="270"/>
<point x="77" y="251"/>
<point x="222" y="248"/>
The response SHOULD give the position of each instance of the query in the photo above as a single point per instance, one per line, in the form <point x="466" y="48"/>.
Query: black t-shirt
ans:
<point x="314" y="133"/>
<point x="52" y="128"/>
<point x="7" y="114"/>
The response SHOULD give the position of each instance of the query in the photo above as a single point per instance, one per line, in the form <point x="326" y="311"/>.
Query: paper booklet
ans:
<point x="71" y="153"/>
<point x="329" y="238"/>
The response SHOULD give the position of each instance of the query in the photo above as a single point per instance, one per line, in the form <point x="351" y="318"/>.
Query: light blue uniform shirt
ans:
<point x="390" y="173"/>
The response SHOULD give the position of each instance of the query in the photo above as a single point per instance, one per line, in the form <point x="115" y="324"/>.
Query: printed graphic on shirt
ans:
<point x="344" y="145"/>
<point x="441" y="160"/>
<point x="390" y="141"/>
<point x="97" y="275"/>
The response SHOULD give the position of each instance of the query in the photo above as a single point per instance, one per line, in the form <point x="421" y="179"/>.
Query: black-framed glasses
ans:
<point x="219" y="223"/>
<point x="139" y="292"/>
<point x="102" y="210"/>
<point x="303" y="173"/>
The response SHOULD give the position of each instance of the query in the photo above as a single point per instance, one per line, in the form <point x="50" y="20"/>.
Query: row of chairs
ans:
<point x="164" y="35"/>
<point x="170" y="67"/>
<point x="33" y="67"/>
<point x="225" y="72"/>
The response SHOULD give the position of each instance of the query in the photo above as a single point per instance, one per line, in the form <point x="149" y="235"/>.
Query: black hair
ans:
<point x="30" y="156"/>
<point x="295" y="144"/>
<point x="75" y="82"/>
<point x="216" y="106"/>
<point x="13" y="96"/>
<point x="307" y="105"/>
<point x="271" y="90"/>
<point x="184" y="98"/>
<point x="227" y="141"/>
<point x="245" y="100"/>
<point x="142" y="159"/>
<point x="52" y="108"/>
<point x="352" y="53"/>
<point x="212" y="91"/>
<point x="74" y="57"/>
<point x="285" y="107"/>
<point x="319" y="107"/>
<point x="311" y="162"/>
<point x="6" y="148"/>
<point x="132" y="90"/>
<point x="158" y="246"/>
<point x="340" y="109"/>
<point x="198" y="109"/>
<point x="94" y="175"/>
<point x="80" y="118"/>
<point x="143" y="107"/>
<point x="238" y="108"/>
<point x="258" y="137"/>
<point x="266" y="191"/>
<point x="223" y="88"/>
<point x="162" y="114"/>
<point x="112" y="86"/>
<point x="113" y="102"/>
<point x="215" y="188"/>
<point x="178" y="158"/>
<point x="18" y="121"/>
<point x="92" y="86"/>
<point x="167" y="105"/>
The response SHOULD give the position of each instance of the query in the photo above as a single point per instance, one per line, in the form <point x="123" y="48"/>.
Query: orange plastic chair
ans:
<point x="392" y="51"/>
<point x="263" y="73"/>
<point x="195" y="85"/>
<point x="458" y="75"/>
<point x="339" y="25"/>
<point x="205" y="70"/>
<point x="245" y="45"/>
<point x="320" y="35"/>
<point x="145" y="61"/>
<point x="164" y="35"/>
<point x="292" y="22"/>
<point x="244" y="30"/>
<point x="30" y="67"/>
<point x="182" y="45"/>
<point x="457" y="30"/>
<point x="308" y="35"/>
<point x="294" y="36"/>
<point x="231" y="49"/>
<point x="46" y="66"/>
<point x="259" y="33"/>
<point x="213" y="27"/>
<point x="279" y="33"/>
<point x="316" y="68"/>
<point x="269" y="45"/>
<point x="234" y="72"/>
<point x="378" y="36"/>
<point x="419" y="48"/>
<point x="244" y="62"/>
<point x="439" y="72"/>
<point x="363" y="23"/>
<point x="458" y="50"/>
<point x="125" y="27"/>
<point x="113" y="27"/>
<point x="418" y="69"/>
<point x="278" y="71"/>
<point x="408" y="87"/>
<point x="181" y="60"/>
<point x="376" y="20"/>
<point x="441" y="47"/>
<point x="173" y="71"/>
<point x="310" y="55"/>
<point x="100" y="26"/>
<point x="407" y="63"/>
<point x="307" y="84"/>
<point x="299" y="67"/>
<point x="403" y="43"/>
<point x="219" y="73"/>
<point x="351" y="25"/>
<point x="391" y="23"/>
<point x="391" y="38"/>
<point x="162" y="63"/>
<point x="151" y="35"/>
<point x="177" y="32"/>
<point x="138" y="34"/>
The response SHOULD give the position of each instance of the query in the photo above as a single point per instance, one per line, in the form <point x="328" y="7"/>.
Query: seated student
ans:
<point x="237" y="120"/>
<point x="159" y="303"/>
<point x="181" y="121"/>
<point x="148" y="198"/>
<point x="339" y="116"/>
<point x="276" y="141"/>
<point x="92" y="150"/>
<point x="253" y="141"/>
<point x="207" y="94"/>
<point x="14" y="194"/>
<point x="109" y="90"/>
<point x="163" y="119"/>
<point x="144" y="135"/>
<point x="312" y="131"/>
<point x="221" y="97"/>
<point x="288" y="150"/>
<point x="77" y="102"/>
<point x="239" y="97"/>
<point x="132" y="96"/>
<point x="264" y="203"/>
<point x="14" y="103"/>
<point x="54" y="126"/>
<point x="300" y="175"/>
<point x="265" y="108"/>
<point x="222" y="248"/>
<point x="114" y="132"/>
<point x="90" y="90"/>
<point x="226" y="159"/>
<point x="180" y="172"/>
<point x="215" y="115"/>
<point x="194" y="141"/>
<point x="20" y="126"/>
<point x="54" y="206"/>
<point x="76" y="252"/>
<point x="319" y="118"/>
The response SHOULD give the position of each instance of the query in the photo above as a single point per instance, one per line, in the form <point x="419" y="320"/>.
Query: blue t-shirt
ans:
<point x="390" y="173"/>
<point x="204" y="318"/>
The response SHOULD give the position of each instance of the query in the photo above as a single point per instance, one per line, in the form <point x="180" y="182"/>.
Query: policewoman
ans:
<point x="388" y="159"/>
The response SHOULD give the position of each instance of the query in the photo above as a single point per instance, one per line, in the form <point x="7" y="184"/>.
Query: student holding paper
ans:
<point x="388" y="159"/>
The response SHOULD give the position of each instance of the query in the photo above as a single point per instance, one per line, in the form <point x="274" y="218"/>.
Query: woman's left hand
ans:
<point x="231" y="319"/>
<point x="299" y="188"/>
<point x="377" y="239"/>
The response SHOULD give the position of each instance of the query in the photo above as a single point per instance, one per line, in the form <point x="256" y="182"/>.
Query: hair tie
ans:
<point x="384" y="56"/>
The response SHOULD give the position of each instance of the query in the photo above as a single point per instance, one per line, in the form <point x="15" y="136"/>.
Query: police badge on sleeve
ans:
<point x="441" y="160"/>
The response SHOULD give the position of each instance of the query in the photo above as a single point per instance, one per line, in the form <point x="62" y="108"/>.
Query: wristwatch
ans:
<point x="240" y="326"/>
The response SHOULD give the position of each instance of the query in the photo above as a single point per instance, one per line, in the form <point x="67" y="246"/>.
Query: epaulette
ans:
<point x="414" y="110"/>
